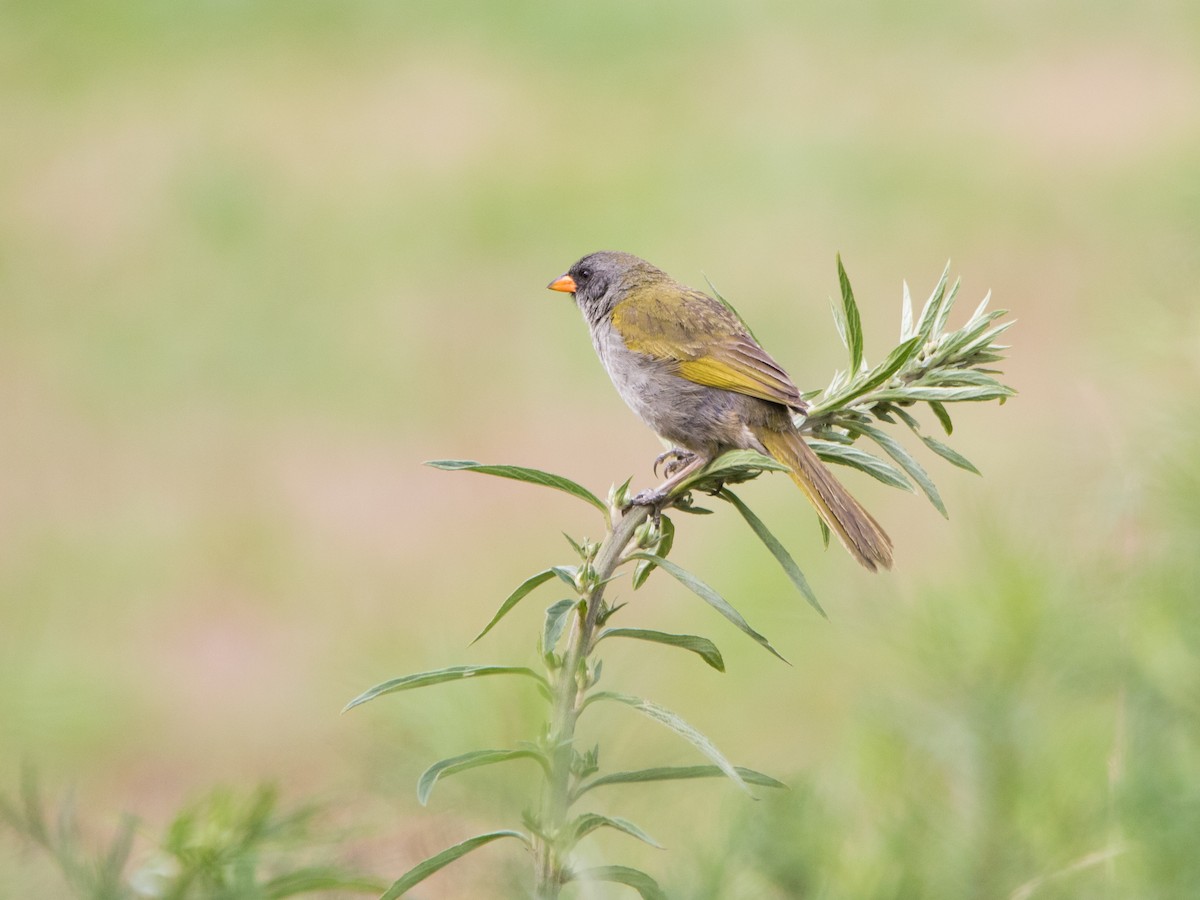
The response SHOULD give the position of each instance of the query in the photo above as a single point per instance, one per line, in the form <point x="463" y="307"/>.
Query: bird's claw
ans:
<point x="654" y="499"/>
<point x="675" y="459"/>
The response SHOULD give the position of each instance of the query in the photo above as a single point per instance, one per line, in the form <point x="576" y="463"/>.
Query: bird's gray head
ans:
<point x="601" y="280"/>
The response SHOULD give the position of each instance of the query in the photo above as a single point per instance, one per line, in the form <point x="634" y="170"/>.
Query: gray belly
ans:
<point x="703" y="419"/>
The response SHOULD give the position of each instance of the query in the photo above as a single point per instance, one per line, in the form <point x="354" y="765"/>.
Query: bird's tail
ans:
<point x="855" y="527"/>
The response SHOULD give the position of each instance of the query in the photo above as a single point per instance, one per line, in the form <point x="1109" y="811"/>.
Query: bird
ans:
<point x="691" y="370"/>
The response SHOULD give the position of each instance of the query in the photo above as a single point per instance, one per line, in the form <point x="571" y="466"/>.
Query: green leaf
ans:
<point x="945" y="394"/>
<point x="589" y="822"/>
<point x="896" y="451"/>
<point x="860" y="459"/>
<point x="853" y="322"/>
<point x="732" y="466"/>
<point x="839" y="322"/>
<point x="942" y="416"/>
<point x="676" y="773"/>
<point x="438" y="676"/>
<point x="932" y="308"/>
<point x="666" y="541"/>
<point x="729" y="306"/>
<point x="949" y="454"/>
<point x="709" y="596"/>
<point x="516" y="596"/>
<point x="777" y="549"/>
<point x="423" y="870"/>
<point x="472" y="760"/>
<point x="520" y="473"/>
<point x="318" y="878"/>
<point x="680" y="727"/>
<point x="824" y="532"/>
<point x="634" y="878"/>
<point x="881" y="374"/>
<point x="705" y="648"/>
<point x="906" y="315"/>
<point x="557" y="616"/>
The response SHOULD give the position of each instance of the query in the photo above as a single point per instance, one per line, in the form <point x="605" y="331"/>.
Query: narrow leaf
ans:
<point x="676" y="773"/>
<point x="423" y="870"/>
<point x="896" y="451"/>
<point x="860" y="459"/>
<point x="729" y="306"/>
<point x="589" y="822"/>
<point x="472" y="760"/>
<point x="680" y="727"/>
<point x="318" y="878"/>
<point x="880" y="375"/>
<point x="853" y="322"/>
<point x="438" y="676"/>
<point x="709" y="596"/>
<point x="906" y="315"/>
<point x="942" y="416"/>
<point x="930" y="311"/>
<point x="520" y="473"/>
<point x="557" y="616"/>
<point x="839" y="322"/>
<point x="777" y="549"/>
<point x="824" y="532"/>
<point x="945" y="394"/>
<point x="634" y="878"/>
<point x="733" y="465"/>
<point x="516" y="596"/>
<point x="703" y="647"/>
<point x="666" y="541"/>
<point x="949" y="454"/>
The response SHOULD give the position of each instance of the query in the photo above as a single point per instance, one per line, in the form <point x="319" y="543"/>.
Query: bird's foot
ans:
<point x="654" y="499"/>
<point x="675" y="459"/>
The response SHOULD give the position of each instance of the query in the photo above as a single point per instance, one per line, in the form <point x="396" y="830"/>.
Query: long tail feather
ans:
<point x="855" y="527"/>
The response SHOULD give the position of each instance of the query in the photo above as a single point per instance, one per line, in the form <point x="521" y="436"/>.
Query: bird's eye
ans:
<point x="585" y="273"/>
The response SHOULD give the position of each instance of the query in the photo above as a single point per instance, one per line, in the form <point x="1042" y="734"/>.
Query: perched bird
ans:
<point x="686" y="364"/>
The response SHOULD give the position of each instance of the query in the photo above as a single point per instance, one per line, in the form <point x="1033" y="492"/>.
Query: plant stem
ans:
<point x="570" y="684"/>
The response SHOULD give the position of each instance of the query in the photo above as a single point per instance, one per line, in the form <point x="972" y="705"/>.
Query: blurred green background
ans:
<point x="259" y="261"/>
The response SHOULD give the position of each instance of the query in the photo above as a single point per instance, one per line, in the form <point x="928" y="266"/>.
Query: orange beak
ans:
<point x="564" y="283"/>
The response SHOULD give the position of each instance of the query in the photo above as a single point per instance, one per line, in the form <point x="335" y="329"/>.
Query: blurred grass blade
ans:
<point x="666" y="541"/>
<point x="471" y="760"/>
<point x="423" y="870"/>
<point x="589" y="822"/>
<point x="557" y="615"/>
<point x="680" y="727"/>
<point x="854" y="335"/>
<point x="676" y="773"/>
<point x="630" y="877"/>
<point x="439" y="676"/>
<point x="316" y="878"/>
<point x="860" y="459"/>
<point x="896" y="451"/>
<point x="701" y="646"/>
<point x="777" y="549"/>
<point x="520" y="473"/>
<point x="516" y="596"/>
<point x="709" y="596"/>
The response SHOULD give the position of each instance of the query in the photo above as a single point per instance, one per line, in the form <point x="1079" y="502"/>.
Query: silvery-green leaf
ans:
<point x="589" y="822"/>
<point x="860" y="459"/>
<point x="471" y="760"/>
<point x="626" y="875"/>
<point x="680" y="727"/>
<point x="557" y="616"/>
<point x="906" y="315"/>
<point x="930" y="311"/>
<point x="777" y="549"/>
<point x="665" y="542"/>
<point x="423" y="870"/>
<point x="515" y="597"/>
<point x="520" y="473"/>
<point x="709" y="596"/>
<point x="949" y="454"/>
<point x="701" y="646"/>
<point x="676" y="773"/>
<point x="945" y="394"/>
<point x="896" y="451"/>
<point x="854" y="335"/>
<point x="942" y="416"/>
<point x="439" y="676"/>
